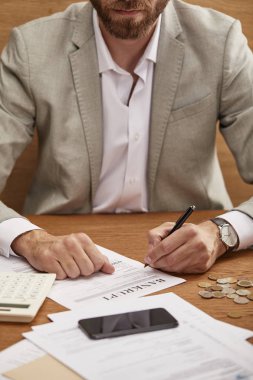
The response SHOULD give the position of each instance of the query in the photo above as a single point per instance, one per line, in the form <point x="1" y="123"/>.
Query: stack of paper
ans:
<point x="130" y="280"/>
<point x="199" y="348"/>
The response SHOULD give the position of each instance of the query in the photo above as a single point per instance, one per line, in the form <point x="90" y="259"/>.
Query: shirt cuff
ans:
<point x="9" y="230"/>
<point x="243" y="225"/>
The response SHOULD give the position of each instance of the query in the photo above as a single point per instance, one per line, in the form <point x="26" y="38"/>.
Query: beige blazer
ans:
<point x="49" y="80"/>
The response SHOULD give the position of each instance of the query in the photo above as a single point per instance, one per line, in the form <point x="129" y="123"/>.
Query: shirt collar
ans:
<point x="105" y="61"/>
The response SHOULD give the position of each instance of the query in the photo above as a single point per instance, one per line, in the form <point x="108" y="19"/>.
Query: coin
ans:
<point x="233" y="295"/>
<point x="204" y="284"/>
<point x="241" y="300"/>
<point x="212" y="276"/>
<point x="223" y="280"/>
<point x="232" y="280"/>
<point x="216" y="287"/>
<point x="244" y="283"/>
<point x="228" y="291"/>
<point x="234" y="314"/>
<point x="250" y="296"/>
<point x="224" y="288"/>
<point x="218" y="294"/>
<point x="243" y="292"/>
<point x="205" y="294"/>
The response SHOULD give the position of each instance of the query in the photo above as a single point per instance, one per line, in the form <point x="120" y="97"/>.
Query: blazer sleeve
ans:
<point x="17" y="111"/>
<point x="236" y="106"/>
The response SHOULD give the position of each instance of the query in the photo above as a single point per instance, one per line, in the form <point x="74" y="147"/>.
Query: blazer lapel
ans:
<point x="85" y="70"/>
<point x="166" y="78"/>
<point x="87" y="84"/>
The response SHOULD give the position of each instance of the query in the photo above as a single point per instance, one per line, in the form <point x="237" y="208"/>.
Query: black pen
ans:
<point x="179" y="222"/>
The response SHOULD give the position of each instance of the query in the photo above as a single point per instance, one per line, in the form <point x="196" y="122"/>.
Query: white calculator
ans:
<point x="22" y="294"/>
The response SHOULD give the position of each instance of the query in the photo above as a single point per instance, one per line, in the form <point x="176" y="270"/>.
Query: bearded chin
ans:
<point x="126" y="29"/>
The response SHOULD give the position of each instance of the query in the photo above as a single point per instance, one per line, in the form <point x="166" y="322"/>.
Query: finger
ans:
<point x="164" y="248"/>
<point x="74" y="247"/>
<point x="174" y="261"/>
<point x="62" y="252"/>
<point x="156" y="235"/>
<point x="69" y="266"/>
<point x="88" y="258"/>
<point x="99" y="261"/>
<point x="95" y="256"/>
<point x="187" y="266"/>
<point x="172" y="242"/>
<point x="107" y="266"/>
<point x="58" y="270"/>
<point x="191" y="257"/>
<point x="48" y="264"/>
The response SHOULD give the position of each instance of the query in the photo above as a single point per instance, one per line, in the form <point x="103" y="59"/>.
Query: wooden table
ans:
<point x="127" y="234"/>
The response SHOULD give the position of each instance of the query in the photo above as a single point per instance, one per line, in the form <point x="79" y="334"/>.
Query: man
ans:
<point x="125" y="96"/>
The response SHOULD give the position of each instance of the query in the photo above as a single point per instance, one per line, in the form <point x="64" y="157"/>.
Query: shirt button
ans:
<point x="137" y="136"/>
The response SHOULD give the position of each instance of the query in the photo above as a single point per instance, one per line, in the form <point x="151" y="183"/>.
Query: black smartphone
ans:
<point x="134" y="322"/>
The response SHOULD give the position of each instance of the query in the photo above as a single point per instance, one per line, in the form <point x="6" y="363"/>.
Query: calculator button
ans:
<point x="21" y="289"/>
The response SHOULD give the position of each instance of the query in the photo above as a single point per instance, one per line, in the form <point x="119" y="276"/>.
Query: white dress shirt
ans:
<point x="122" y="185"/>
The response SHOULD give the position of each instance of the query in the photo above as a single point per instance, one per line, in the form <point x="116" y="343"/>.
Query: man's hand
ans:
<point x="190" y="249"/>
<point x="68" y="256"/>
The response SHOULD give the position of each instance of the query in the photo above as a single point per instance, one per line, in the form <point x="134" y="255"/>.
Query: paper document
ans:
<point x="130" y="279"/>
<point x="191" y="351"/>
<point x="44" y="368"/>
<point x="15" y="264"/>
<point x="17" y="355"/>
<point x="186" y="308"/>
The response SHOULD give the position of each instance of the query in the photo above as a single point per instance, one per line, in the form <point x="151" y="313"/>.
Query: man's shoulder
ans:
<point x="56" y="32"/>
<point x="197" y="18"/>
<point x="69" y="15"/>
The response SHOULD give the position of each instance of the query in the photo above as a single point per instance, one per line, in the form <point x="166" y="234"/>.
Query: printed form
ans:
<point x="130" y="279"/>
<point x="192" y="350"/>
<point x="188" y="311"/>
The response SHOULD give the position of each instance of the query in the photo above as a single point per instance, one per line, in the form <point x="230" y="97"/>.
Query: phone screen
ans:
<point x="128" y="323"/>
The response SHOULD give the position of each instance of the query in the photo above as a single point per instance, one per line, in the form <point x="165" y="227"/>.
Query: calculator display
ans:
<point x="14" y="305"/>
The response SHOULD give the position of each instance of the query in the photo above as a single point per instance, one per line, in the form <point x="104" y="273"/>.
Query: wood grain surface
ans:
<point x="127" y="234"/>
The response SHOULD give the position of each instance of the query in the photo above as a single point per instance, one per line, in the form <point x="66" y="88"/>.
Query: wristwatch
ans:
<point x="227" y="234"/>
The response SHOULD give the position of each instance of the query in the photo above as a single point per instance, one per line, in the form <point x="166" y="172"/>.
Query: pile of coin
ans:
<point x="239" y="290"/>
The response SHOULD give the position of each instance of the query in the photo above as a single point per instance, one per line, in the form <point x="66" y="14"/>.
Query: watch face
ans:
<point x="228" y="235"/>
